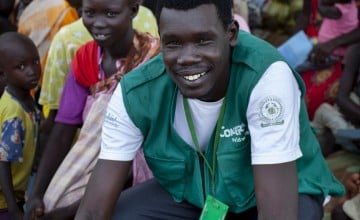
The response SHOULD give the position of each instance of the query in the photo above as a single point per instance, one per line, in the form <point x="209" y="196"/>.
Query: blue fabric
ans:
<point x="12" y="140"/>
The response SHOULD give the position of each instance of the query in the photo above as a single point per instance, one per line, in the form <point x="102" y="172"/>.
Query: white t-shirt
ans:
<point x="271" y="143"/>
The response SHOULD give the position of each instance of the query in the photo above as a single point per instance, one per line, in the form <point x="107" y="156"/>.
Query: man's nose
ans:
<point x="188" y="55"/>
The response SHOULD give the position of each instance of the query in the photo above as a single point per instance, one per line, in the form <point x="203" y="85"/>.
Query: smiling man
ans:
<point x="223" y="125"/>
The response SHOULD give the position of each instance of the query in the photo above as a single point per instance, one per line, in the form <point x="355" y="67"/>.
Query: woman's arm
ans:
<point x="321" y="51"/>
<point x="347" y="82"/>
<point x="327" y="9"/>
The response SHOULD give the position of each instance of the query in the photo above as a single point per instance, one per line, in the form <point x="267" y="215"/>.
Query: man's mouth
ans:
<point x="194" y="77"/>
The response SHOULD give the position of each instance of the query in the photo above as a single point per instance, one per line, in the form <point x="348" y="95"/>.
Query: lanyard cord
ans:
<point x="195" y="139"/>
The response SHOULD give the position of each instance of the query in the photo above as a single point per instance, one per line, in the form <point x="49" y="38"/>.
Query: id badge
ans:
<point x="213" y="209"/>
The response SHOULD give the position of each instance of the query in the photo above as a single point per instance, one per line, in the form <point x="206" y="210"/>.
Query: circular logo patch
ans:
<point x="271" y="109"/>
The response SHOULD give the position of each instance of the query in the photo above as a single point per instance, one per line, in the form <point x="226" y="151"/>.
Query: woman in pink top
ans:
<point x="339" y="28"/>
<point x="342" y="21"/>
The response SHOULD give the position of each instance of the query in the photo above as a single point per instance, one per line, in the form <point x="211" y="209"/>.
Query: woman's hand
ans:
<point x="352" y="185"/>
<point x="321" y="53"/>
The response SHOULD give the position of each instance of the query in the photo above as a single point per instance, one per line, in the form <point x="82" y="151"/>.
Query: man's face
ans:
<point x="196" y="51"/>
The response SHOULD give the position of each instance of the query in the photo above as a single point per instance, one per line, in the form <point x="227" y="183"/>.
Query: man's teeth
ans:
<point x="194" y="77"/>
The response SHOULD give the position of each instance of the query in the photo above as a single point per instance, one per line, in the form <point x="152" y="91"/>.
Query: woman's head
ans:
<point x="109" y="21"/>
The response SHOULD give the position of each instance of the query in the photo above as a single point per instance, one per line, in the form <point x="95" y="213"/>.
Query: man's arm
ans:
<point x="275" y="148"/>
<point x="103" y="189"/>
<point x="351" y="71"/>
<point x="8" y="190"/>
<point x="276" y="190"/>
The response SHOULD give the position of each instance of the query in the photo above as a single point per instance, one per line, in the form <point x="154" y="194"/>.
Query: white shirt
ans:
<point x="274" y="134"/>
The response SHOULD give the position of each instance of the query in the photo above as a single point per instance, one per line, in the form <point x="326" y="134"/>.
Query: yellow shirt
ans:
<point x="17" y="143"/>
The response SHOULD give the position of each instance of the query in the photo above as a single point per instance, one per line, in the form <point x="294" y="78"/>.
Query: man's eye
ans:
<point x="37" y="61"/>
<point x="204" y="42"/>
<point x="173" y="44"/>
<point x="111" y="14"/>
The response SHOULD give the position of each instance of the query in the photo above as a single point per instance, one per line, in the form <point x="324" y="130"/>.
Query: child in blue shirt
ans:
<point x="19" y="117"/>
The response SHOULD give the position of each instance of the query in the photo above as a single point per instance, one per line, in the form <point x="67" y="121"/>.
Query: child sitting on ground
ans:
<point x="330" y="119"/>
<point x="19" y="118"/>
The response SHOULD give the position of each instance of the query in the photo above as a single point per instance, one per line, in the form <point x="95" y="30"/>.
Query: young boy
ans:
<point x="223" y="126"/>
<point x="19" y="118"/>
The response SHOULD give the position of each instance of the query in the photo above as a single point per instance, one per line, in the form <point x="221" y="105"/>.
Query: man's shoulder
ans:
<point x="254" y="52"/>
<point x="250" y="44"/>
<point x="149" y="71"/>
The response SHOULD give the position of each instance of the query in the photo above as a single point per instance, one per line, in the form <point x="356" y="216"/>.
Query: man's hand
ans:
<point x="34" y="208"/>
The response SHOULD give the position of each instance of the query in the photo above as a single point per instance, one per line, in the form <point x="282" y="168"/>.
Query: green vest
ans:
<point x="150" y="100"/>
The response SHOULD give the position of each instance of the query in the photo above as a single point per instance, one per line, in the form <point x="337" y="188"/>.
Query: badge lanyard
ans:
<point x="196" y="142"/>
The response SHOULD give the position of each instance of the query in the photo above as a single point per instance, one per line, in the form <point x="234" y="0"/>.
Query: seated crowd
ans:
<point x="179" y="109"/>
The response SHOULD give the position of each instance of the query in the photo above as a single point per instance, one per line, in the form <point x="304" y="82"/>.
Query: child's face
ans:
<point x="21" y="65"/>
<point x="108" y="21"/>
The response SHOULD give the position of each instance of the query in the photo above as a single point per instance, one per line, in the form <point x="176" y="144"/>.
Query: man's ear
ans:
<point x="233" y="31"/>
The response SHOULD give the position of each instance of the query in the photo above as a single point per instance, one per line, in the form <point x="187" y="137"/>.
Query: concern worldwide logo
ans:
<point x="237" y="133"/>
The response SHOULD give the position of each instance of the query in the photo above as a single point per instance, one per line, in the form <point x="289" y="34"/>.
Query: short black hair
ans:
<point x="223" y="7"/>
<point x="12" y="37"/>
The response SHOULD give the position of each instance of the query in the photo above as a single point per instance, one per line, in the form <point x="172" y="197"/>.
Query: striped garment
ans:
<point x="42" y="19"/>
<point x="69" y="182"/>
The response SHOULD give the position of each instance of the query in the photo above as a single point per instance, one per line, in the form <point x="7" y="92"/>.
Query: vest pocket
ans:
<point x="170" y="173"/>
<point x="235" y="171"/>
